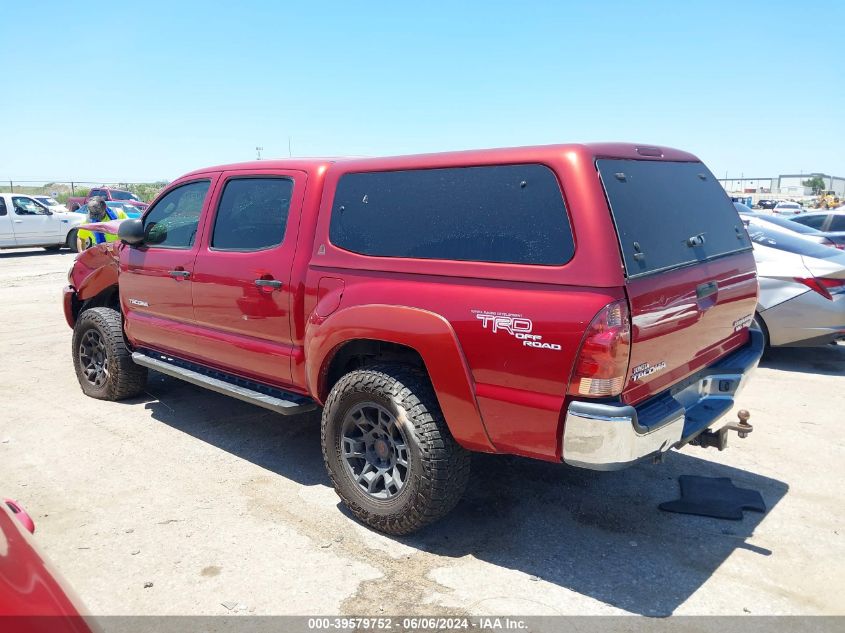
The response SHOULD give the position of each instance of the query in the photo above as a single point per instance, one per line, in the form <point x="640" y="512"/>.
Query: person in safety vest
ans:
<point x="98" y="211"/>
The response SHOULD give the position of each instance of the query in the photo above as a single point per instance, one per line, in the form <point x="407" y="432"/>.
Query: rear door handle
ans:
<point x="268" y="283"/>
<point x="179" y="274"/>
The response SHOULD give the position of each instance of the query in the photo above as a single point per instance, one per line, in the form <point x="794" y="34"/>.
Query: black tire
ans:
<point x="761" y="325"/>
<point x="438" y="467"/>
<point x="70" y="242"/>
<point x="55" y="248"/>
<point x="108" y="374"/>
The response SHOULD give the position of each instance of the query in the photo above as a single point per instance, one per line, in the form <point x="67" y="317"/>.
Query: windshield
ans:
<point x="50" y="202"/>
<point x="766" y="234"/>
<point x="669" y="214"/>
<point x="785" y="205"/>
<point x="123" y="195"/>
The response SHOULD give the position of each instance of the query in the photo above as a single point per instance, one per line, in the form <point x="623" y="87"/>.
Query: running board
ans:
<point x="276" y="400"/>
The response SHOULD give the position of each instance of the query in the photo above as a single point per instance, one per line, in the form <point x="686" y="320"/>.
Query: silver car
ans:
<point x="802" y="287"/>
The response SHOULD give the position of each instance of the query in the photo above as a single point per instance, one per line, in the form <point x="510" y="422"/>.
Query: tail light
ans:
<point x="825" y="287"/>
<point x="602" y="362"/>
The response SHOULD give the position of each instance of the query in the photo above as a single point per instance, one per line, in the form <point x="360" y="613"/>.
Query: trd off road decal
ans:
<point x="516" y="325"/>
<point x="646" y="369"/>
<point x="743" y="322"/>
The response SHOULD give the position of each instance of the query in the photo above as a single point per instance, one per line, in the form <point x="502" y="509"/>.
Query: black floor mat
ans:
<point x="714" y="497"/>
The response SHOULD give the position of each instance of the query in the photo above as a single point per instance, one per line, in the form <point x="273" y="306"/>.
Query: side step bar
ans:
<point x="280" y="401"/>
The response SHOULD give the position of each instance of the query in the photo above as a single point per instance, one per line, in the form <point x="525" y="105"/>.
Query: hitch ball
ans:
<point x="743" y="428"/>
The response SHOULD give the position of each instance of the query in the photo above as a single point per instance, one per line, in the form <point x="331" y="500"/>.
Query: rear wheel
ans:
<point x="101" y="358"/>
<point x="388" y="450"/>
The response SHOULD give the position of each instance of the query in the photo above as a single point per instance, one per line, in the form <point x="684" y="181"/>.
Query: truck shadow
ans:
<point x="598" y="534"/>
<point x="828" y="360"/>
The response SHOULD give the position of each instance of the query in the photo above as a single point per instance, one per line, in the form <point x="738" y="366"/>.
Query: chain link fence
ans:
<point x="62" y="190"/>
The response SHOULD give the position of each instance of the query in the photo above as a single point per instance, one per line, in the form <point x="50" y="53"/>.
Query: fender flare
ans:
<point x="428" y="333"/>
<point x="94" y="270"/>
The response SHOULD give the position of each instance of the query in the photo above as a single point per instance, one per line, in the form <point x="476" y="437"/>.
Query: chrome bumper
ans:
<point x="612" y="436"/>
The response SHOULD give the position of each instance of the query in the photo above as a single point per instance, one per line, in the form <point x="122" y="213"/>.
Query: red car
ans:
<point x="108" y="194"/>
<point x="580" y="303"/>
<point x="33" y="596"/>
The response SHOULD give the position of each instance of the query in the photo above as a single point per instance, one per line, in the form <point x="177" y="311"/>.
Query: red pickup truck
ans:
<point x="109" y="194"/>
<point x="588" y="304"/>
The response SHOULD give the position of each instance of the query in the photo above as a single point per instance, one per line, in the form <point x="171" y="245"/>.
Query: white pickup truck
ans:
<point x="26" y="222"/>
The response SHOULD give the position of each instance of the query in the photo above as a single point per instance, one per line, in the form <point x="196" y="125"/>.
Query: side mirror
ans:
<point x="131" y="231"/>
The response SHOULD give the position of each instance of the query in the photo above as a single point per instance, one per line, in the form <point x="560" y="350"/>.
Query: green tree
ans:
<point x="816" y="183"/>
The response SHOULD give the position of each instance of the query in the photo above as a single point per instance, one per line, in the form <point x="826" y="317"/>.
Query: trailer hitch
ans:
<point x="719" y="439"/>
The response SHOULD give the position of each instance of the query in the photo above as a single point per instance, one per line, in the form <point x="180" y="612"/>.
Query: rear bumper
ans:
<point x="611" y="436"/>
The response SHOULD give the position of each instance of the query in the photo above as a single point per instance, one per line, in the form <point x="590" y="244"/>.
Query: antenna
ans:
<point x="258" y="151"/>
<point x="290" y="153"/>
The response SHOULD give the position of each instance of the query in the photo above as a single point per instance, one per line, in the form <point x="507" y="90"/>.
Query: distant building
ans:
<point x="785" y="184"/>
<point x="794" y="184"/>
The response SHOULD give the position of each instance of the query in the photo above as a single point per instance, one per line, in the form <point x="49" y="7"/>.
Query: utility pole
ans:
<point x="290" y="153"/>
<point x="258" y="151"/>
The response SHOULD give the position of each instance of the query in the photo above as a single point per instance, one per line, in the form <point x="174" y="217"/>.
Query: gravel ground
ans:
<point x="226" y="508"/>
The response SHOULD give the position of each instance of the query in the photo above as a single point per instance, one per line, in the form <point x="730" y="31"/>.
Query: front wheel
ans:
<point x="101" y="358"/>
<point x="70" y="242"/>
<point x="388" y="450"/>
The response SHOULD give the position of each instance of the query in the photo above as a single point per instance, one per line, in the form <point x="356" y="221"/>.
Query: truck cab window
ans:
<point x="27" y="206"/>
<point x="252" y="215"/>
<point x="173" y="221"/>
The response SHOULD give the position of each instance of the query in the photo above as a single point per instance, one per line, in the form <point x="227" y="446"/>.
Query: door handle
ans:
<point x="179" y="274"/>
<point x="18" y="221"/>
<point x="275" y="284"/>
<point x="706" y="289"/>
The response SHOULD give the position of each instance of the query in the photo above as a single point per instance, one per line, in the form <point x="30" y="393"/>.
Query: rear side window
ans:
<point x="813" y="221"/>
<point x="253" y="213"/>
<point x="669" y="214"/>
<point x="503" y="213"/>
<point x="837" y="223"/>
<point x="2" y="206"/>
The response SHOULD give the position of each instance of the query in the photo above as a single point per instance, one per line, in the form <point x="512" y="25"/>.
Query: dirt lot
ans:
<point x="215" y="501"/>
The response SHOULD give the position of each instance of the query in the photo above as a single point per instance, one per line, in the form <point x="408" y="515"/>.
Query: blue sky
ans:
<point x="149" y="90"/>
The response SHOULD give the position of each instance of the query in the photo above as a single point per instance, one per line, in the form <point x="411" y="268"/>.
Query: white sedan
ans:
<point x="26" y="222"/>
<point x="787" y="208"/>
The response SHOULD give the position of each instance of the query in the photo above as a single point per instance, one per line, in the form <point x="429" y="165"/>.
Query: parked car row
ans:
<point x="36" y="220"/>
<point x="109" y="195"/>
<point x="802" y="281"/>
<point x="26" y="222"/>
